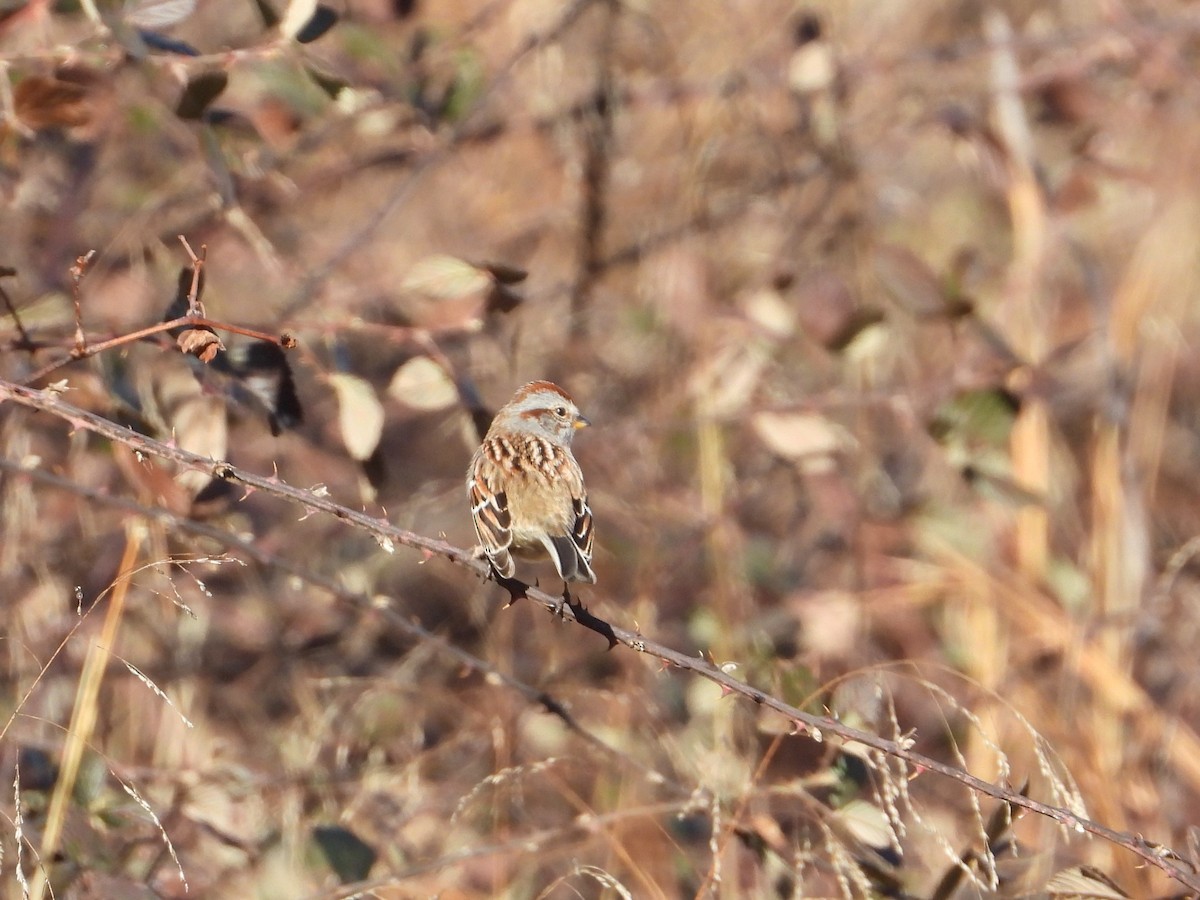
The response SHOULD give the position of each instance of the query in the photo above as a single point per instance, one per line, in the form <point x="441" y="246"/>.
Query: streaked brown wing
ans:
<point x="582" y="535"/>
<point x="493" y="522"/>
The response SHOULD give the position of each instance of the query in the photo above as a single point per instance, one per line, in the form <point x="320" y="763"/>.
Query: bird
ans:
<point x="526" y="489"/>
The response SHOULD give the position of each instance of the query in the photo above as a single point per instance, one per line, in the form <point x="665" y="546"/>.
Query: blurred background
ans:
<point x="882" y="313"/>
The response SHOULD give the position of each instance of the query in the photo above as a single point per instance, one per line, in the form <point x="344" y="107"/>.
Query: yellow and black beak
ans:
<point x="581" y="422"/>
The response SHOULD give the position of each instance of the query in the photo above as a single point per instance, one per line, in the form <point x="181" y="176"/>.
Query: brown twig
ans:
<point x="817" y="727"/>
<point x="77" y="272"/>
<point x="195" y="308"/>
<point x="597" y="137"/>
<point x="26" y="340"/>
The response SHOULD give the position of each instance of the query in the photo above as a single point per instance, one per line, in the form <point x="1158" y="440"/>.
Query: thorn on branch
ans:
<point x="516" y="589"/>
<point x="594" y="623"/>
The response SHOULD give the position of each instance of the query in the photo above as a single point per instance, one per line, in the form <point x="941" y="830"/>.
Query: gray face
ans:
<point x="553" y="413"/>
<point x="557" y="415"/>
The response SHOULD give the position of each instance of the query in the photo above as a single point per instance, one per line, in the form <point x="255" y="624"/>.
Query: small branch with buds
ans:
<point x="198" y="338"/>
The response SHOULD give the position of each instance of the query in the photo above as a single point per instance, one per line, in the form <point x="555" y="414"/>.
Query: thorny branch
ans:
<point x="818" y="727"/>
<point x="401" y="623"/>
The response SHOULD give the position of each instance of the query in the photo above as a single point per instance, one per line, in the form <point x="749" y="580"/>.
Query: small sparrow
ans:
<point x="526" y="489"/>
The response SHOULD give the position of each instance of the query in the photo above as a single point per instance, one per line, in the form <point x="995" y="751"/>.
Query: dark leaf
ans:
<point x="179" y="303"/>
<point x="156" y="41"/>
<point x="201" y="90"/>
<point x="266" y="11"/>
<point x="347" y="854"/>
<point x="259" y="375"/>
<point x="263" y="371"/>
<point x="375" y="468"/>
<point x="504" y="273"/>
<point x="323" y="18"/>
<point x="38" y="770"/>
<point x="502" y="299"/>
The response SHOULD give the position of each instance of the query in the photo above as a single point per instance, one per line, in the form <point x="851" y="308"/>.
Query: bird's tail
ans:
<point x="572" y="565"/>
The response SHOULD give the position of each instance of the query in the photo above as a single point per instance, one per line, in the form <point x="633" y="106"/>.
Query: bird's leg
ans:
<point x="565" y="600"/>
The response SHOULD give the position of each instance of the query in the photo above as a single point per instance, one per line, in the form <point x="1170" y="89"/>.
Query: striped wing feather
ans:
<point x="493" y="523"/>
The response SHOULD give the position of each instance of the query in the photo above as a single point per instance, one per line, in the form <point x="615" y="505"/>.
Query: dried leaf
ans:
<point x="200" y="426"/>
<point x="910" y="281"/>
<point x="201" y="343"/>
<point x="728" y="378"/>
<point x="42" y="103"/>
<point x="861" y="333"/>
<point x="446" y="278"/>
<point x="360" y="414"/>
<point x="800" y="435"/>
<point x="158" y="13"/>
<point x="1083" y="883"/>
<point x="195" y="419"/>
<point x="767" y="309"/>
<point x="296" y="16"/>
<point x="423" y="384"/>
<point x="866" y="822"/>
<point x="812" y="67"/>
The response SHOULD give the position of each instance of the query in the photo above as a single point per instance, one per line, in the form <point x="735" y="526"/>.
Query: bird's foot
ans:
<point x="564" y="601"/>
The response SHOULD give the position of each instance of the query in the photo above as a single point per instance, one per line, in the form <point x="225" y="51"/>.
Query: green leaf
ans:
<point x="330" y="84"/>
<point x="348" y="855"/>
<point x="984" y="415"/>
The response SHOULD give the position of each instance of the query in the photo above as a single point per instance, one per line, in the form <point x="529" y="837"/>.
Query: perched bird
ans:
<point x="526" y="489"/>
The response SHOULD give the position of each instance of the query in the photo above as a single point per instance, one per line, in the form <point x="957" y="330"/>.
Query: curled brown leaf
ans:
<point x="201" y="343"/>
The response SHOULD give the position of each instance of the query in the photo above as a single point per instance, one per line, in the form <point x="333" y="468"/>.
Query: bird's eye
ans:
<point x="561" y="412"/>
